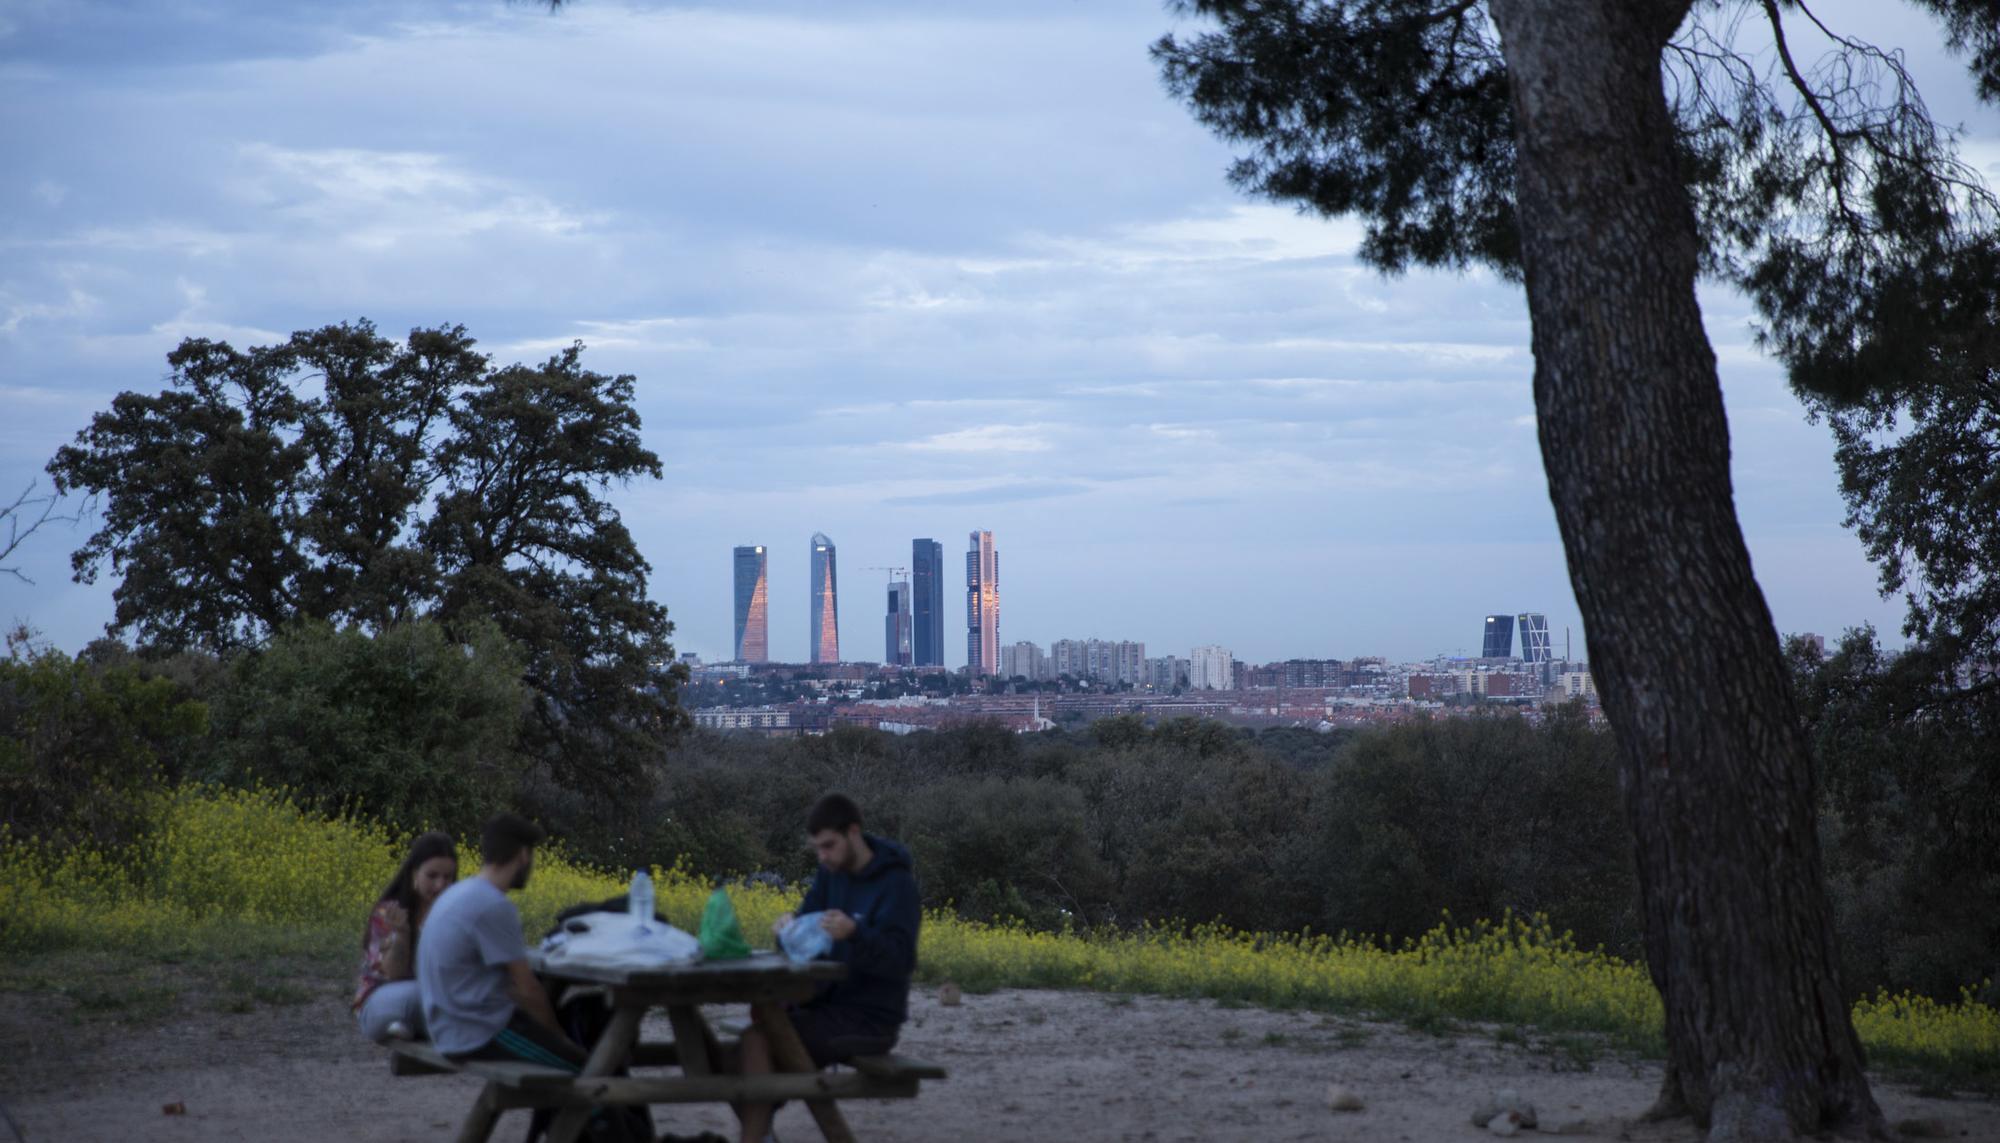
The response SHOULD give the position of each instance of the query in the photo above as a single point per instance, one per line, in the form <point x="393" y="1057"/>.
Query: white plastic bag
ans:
<point x="804" y="940"/>
<point x="619" y="940"/>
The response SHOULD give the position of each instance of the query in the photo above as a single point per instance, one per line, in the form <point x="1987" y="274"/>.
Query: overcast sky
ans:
<point x="882" y="270"/>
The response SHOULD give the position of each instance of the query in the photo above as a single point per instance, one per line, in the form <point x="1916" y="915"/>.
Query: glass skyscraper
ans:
<point x="927" y="597"/>
<point x="896" y="625"/>
<point x="1499" y="637"/>
<point x="825" y="637"/>
<point x="982" y="605"/>
<point x="1535" y="637"/>
<point x="753" y="643"/>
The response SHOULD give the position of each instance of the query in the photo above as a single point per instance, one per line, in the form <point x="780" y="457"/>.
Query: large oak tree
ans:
<point x="1608" y="154"/>
<point x="344" y="477"/>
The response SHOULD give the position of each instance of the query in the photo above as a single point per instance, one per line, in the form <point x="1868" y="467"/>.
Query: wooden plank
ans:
<point x="897" y="1067"/>
<point x="478" y="1125"/>
<point x="695" y="1041"/>
<point x="756" y="990"/>
<point x="771" y="1088"/>
<point x="613" y="1049"/>
<point x="415" y="1058"/>
<point x="790" y="1055"/>
<point x="764" y="965"/>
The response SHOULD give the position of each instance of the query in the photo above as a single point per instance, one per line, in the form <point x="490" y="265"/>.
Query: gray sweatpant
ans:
<point x="395" y="1000"/>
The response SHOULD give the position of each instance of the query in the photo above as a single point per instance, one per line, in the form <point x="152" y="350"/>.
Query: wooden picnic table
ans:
<point x="767" y="981"/>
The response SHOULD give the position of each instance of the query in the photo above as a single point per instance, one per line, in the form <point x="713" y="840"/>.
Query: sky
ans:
<point x="882" y="270"/>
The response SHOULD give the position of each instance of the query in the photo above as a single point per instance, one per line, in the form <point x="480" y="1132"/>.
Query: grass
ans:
<point x="247" y="883"/>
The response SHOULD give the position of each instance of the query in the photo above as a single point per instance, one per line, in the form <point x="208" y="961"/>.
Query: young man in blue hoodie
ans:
<point x="866" y="894"/>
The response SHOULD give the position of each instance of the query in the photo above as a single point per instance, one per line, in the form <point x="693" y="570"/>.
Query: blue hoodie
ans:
<point x="882" y="953"/>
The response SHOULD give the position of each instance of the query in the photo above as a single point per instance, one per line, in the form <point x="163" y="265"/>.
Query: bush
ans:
<point x="409" y="726"/>
<point x="81" y="748"/>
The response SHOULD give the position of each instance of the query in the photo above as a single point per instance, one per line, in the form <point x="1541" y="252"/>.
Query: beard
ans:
<point x="521" y="878"/>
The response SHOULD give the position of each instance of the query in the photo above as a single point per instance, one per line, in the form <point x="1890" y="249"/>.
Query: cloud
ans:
<point x="988" y="438"/>
<point x="992" y="493"/>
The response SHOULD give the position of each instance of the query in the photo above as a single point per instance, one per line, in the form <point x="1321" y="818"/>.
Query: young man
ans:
<point x="866" y="894"/>
<point x="480" y="999"/>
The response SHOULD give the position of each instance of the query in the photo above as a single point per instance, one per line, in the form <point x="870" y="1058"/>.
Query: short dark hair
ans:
<point x="835" y="812"/>
<point x="505" y="836"/>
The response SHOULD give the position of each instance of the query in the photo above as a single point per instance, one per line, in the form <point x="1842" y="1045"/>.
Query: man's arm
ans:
<point x="530" y="997"/>
<point x="887" y="945"/>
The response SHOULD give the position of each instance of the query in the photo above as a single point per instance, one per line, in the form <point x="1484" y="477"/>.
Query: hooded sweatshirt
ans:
<point x="882" y="953"/>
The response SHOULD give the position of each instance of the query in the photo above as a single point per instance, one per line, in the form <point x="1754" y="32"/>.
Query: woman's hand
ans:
<point x="778" y="926"/>
<point x="397" y="917"/>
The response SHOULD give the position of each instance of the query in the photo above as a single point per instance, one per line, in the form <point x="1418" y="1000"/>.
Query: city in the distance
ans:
<point x="912" y="678"/>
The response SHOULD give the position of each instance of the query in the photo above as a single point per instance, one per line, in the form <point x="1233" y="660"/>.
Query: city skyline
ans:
<point x="1058" y="319"/>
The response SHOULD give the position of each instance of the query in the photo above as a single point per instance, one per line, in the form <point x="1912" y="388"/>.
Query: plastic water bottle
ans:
<point x="640" y="897"/>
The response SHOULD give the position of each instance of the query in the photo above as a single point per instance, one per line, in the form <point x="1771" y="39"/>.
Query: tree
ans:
<point x="23" y="518"/>
<point x="345" y="478"/>
<point x="81" y="746"/>
<point x="1606" y="155"/>
<point x="409" y="726"/>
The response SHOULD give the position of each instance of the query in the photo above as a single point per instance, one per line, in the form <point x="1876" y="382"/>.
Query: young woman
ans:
<point x="386" y="1004"/>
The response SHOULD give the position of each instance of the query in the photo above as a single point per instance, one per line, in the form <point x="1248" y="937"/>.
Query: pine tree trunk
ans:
<point x="1716" y="771"/>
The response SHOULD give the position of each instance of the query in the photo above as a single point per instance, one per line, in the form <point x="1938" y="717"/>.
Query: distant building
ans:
<point x="767" y="719"/>
<point x="1211" y="668"/>
<point x="982" y="605"/>
<point x="1535" y="637"/>
<point x="1816" y="642"/>
<point x="897" y="626"/>
<point x="927" y="591"/>
<point x="753" y="642"/>
<point x="1111" y="661"/>
<point x="1499" y="643"/>
<point x="825" y="637"/>
<point x="1165" y="673"/>
<point x="1576" y="684"/>
<point x="1023" y="660"/>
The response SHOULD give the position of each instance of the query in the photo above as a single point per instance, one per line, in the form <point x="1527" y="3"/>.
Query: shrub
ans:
<point x="409" y="726"/>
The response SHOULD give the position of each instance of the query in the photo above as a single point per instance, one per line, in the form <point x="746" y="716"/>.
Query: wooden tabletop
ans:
<point x="755" y="972"/>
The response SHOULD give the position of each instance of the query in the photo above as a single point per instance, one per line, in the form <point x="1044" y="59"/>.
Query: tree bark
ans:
<point x="1716" y="770"/>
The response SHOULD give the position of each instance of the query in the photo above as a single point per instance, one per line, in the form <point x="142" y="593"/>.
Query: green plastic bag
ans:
<point x="721" y="935"/>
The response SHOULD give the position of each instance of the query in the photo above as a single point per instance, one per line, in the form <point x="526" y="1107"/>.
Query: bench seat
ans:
<point x="896" y="1068"/>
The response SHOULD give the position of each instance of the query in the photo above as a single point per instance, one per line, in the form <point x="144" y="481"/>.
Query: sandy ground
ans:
<point x="1024" y="1066"/>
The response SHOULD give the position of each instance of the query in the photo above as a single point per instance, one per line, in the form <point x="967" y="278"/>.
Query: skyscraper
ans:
<point x="753" y="642"/>
<point x="896" y="624"/>
<point x="982" y="605"/>
<point x="1499" y="637"/>
<point x="1535" y="637"/>
<point x="927" y="592"/>
<point x="825" y="637"/>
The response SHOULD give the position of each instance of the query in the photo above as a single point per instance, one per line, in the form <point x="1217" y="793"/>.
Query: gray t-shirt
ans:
<point x="471" y="935"/>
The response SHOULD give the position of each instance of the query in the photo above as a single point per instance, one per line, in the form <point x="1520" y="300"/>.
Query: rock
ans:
<point x="1924" y="1128"/>
<point x="949" y="996"/>
<point x="1506" y="1100"/>
<point x="1340" y="1098"/>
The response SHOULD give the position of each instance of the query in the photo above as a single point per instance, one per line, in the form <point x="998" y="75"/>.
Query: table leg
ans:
<point x="479" y="1122"/>
<point x="694" y="1044"/>
<point x="789" y="1053"/>
<point x="612" y="1050"/>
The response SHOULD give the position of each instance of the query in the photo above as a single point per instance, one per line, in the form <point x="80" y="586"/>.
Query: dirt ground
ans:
<point x="1024" y="1066"/>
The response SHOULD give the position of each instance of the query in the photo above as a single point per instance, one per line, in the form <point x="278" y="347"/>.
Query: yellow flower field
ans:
<point x="222" y="858"/>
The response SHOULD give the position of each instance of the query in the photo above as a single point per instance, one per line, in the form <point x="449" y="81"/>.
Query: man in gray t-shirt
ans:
<point x="480" y="998"/>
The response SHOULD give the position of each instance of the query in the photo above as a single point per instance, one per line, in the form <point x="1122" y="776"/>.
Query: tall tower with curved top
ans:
<point x="825" y="637"/>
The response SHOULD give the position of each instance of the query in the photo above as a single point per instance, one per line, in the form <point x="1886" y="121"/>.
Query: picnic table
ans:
<point x="766" y="981"/>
